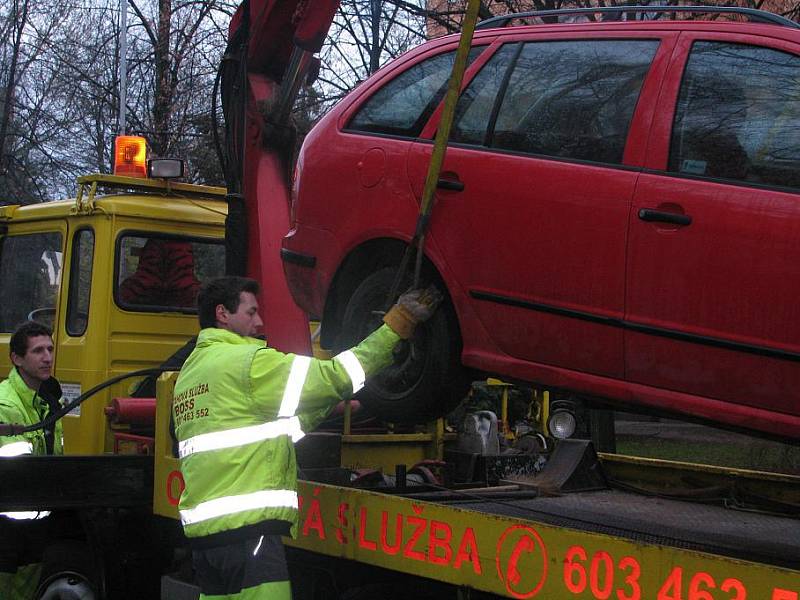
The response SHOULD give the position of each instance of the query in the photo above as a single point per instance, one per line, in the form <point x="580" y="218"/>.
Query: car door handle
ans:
<point x="660" y="216"/>
<point x="450" y="184"/>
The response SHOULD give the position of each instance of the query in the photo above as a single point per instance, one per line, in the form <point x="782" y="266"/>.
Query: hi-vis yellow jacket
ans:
<point x="238" y="407"/>
<point x="20" y="405"/>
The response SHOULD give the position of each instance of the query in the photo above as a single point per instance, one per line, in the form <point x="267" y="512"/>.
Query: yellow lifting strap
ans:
<point x="439" y="146"/>
<point x="450" y="101"/>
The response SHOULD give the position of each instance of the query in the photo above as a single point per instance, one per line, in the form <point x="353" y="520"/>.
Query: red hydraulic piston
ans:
<point x="280" y="35"/>
<point x="132" y="411"/>
<point x="275" y="26"/>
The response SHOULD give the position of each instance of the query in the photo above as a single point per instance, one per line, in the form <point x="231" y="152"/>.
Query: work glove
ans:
<point x="412" y="308"/>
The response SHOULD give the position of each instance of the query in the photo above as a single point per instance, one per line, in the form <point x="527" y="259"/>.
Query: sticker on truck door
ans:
<point x="69" y="392"/>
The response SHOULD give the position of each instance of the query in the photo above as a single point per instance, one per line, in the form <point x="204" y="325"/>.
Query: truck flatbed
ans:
<point x="586" y="526"/>
<point x="604" y="543"/>
<point x="742" y="534"/>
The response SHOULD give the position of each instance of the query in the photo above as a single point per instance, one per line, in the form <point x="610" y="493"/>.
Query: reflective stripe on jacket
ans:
<point x="238" y="407"/>
<point x="20" y="405"/>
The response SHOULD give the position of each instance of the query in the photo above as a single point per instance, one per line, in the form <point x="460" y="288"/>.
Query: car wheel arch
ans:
<point x="366" y="258"/>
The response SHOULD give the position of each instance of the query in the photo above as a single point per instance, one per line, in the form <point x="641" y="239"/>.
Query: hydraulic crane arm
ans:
<point x="270" y="49"/>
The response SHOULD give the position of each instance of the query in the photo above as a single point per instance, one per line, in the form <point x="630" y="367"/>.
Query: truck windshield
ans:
<point x="165" y="273"/>
<point x="30" y="274"/>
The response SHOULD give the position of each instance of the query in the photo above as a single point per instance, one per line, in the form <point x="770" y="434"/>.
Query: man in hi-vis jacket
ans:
<point x="27" y="397"/>
<point x="238" y="407"/>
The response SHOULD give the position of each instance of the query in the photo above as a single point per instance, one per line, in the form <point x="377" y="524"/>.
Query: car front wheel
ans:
<point x="426" y="379"/>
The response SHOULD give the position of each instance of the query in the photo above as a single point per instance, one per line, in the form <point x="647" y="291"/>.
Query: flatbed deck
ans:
<point x="746" y="535"/>
<point x="516" y="543"/>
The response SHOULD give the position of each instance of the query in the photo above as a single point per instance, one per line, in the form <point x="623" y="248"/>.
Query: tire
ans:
<point x="67" y="573"/>
<point x="426" y="380"/>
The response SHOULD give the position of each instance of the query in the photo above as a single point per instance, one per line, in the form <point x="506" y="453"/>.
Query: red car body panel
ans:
<point x="738" y="255"/>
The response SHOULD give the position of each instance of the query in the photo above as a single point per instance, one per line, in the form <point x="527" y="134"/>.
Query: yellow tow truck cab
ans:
<point x="114" y="272"/>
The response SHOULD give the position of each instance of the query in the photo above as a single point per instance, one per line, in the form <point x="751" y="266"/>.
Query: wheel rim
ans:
<point x="66" y="585"/>
<point x="406" y="373"/>
<point x="411" y="357"/>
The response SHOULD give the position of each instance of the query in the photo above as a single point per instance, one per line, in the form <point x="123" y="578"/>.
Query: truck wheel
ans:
<point x="67" y="573"/>
<point x="426" y="380"/>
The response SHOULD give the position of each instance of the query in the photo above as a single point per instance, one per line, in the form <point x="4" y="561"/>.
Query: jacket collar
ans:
<point x="20" y="387"/>
<point x="215" y="335"/>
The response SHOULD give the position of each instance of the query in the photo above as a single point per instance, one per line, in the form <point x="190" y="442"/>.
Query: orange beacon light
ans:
<point x="130" y="156"/>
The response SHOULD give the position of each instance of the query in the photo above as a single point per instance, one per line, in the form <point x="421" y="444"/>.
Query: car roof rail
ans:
<point x="753" y="15"/>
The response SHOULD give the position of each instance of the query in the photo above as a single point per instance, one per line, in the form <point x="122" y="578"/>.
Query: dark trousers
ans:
<point x="252" y="568"/>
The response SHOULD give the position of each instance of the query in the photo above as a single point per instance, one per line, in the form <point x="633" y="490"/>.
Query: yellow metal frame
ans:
<point x="384" y="451"/>
<point x="513" y="557"/>
<point x="96" y="180"/>
<point x="167" y="478"/>
<point x="665" y="476"/>
<point x="86" y="196"/>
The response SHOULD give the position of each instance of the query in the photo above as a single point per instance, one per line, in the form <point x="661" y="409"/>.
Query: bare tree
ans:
<point x="16" y="22"/>
<point x="444" y="14"/>
<point x="365" y="35"/>
<point x="179" y="35"/>
<point x="59" y="87"/>
<point x="23" y="90"/>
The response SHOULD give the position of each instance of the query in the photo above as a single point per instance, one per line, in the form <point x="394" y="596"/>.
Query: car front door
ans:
<point x="532" y="214"/>
<point x="713" y="261"/>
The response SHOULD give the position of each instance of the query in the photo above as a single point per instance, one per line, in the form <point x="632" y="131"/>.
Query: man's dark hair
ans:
<point x="18" y="344"/>
<point x="225" y="291"/>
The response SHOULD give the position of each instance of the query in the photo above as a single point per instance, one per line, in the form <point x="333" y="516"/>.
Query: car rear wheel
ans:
<point x="426" y="379"/>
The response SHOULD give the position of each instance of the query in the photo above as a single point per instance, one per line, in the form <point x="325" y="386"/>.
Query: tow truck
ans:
<point x="491" y="507"/>
<point x="448" y="510"/>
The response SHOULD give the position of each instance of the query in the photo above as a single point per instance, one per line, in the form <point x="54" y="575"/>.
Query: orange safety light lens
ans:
<point x="130" y="156"/>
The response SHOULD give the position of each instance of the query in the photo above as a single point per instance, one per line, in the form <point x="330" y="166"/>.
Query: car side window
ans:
<point x="404" y="105"/>
<point x="573" y="99"/>
<point x="475" y="105"/>
<point x="738" y="115"/>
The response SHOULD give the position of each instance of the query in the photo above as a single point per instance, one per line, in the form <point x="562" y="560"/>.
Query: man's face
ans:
<point x="246" y="320"/>
<point x="37" y="364"/>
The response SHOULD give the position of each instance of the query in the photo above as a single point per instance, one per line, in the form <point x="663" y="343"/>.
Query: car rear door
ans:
<point x="713" y="261"/>
<point x="532" y="214"/>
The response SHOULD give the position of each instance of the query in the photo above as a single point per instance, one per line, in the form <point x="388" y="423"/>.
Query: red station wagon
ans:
<point x="618" y="215"/>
